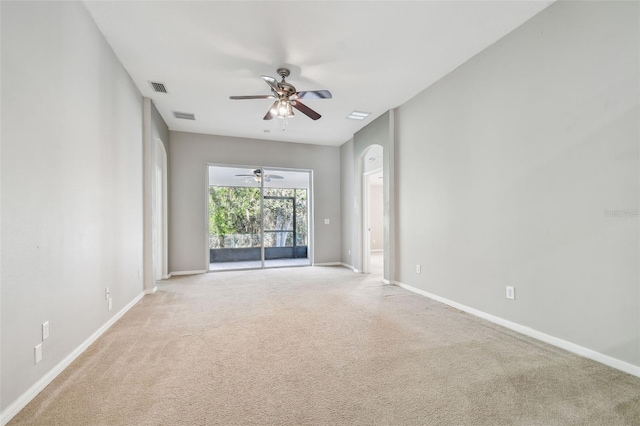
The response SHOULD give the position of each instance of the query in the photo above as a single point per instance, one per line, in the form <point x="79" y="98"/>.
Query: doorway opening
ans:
<point x="258" y="217"/>
<point x="159" y="231"/>
<point x="373" y="222"/>
<point x="372" y="234"/>
<point x="374" y="217"/>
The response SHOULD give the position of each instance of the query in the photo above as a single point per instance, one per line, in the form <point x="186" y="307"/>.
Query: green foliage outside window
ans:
<point x="234" y="217"/>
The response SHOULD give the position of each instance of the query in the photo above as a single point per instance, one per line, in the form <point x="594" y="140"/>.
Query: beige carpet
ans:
<point x="322" y="346"/>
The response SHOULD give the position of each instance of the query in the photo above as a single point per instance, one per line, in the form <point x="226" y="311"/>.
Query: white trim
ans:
<point x="17" y="405"/>
<point x="194" y="272"/>
<point x="527" y="331"/>
<point x="328" y="264"/>
<point x="347" y="266"/>
<point x="166" y="277"/>
<point x="385" y="281"/>
<point x="151" y="291"/>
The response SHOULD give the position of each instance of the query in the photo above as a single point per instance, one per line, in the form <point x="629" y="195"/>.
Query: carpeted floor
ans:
<point x="322" y="346"/>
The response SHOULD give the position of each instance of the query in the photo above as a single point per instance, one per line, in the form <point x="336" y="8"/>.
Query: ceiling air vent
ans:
<point x="184" y="115"/>
<point x="358" y="115"/>
<point x="158" y="87"/>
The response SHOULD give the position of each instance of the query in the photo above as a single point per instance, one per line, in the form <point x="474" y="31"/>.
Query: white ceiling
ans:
<point x="373" y="56"/>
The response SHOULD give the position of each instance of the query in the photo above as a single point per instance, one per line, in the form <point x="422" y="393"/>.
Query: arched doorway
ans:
<point x="159" y="214"/>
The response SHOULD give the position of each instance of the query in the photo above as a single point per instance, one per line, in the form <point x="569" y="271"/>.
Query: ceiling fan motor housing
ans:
<point x="283" y="72"/>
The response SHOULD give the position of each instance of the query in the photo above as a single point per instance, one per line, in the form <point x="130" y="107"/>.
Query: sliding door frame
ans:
<point x="310" y="210"/>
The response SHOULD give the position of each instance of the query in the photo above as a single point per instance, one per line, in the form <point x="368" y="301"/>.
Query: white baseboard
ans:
<point x="152" y="290"/>
<point x="385" y="281"/>
<point x="328" y="264"/>
<point x="17" y="405"/>
<point x="347" y="266"/>
<point x="200" y="271"/>
<point x="166" y="277"/>
<point x="528" y="331"/>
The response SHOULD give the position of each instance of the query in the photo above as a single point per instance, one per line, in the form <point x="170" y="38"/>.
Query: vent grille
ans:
<point x="158" y="87"/>
<point x="184" y="115"/>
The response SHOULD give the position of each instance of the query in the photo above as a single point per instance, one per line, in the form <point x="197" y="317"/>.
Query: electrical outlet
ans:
<point x="38" y="353"/>
<point x="418" y="269"/>
<point x="107" y="293"/>
<point x="327" y="221"/>
<point x="110" y="304"/>
<point x="45" y="330"/>
<point x="511" y="293"/>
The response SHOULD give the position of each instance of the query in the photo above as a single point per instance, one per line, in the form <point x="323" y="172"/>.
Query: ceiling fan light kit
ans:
<point x="259" y="177"/>
<point x="287" y="98"/>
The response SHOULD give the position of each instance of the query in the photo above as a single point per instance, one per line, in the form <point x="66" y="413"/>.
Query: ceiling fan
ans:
<point x="257" y="176"/>
<point x="287" y="98"/>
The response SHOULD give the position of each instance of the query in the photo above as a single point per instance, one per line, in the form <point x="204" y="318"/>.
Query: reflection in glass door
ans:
<point x="241" y="201"/>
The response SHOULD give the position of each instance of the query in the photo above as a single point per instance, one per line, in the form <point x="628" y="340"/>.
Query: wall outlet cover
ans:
<point x="511" y="293"/>
<point x="110" y="304"/>
<point x="418" y="269"/>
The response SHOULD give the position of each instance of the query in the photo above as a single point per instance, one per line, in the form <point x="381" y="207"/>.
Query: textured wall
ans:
<point x="71" y="186"/>
<point x="189" y="154"/>
<point x="520" y="168"/>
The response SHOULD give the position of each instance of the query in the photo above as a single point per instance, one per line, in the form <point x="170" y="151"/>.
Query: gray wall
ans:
<point x="521" y="168"/>
<point x="379" y="132"/>
<point x="190" y="152"/>
<point x="71" y="186"/>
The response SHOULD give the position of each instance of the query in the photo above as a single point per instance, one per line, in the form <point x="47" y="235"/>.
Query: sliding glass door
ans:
<point x="258" y="218"/>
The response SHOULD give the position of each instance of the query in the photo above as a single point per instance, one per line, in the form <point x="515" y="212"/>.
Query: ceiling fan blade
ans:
<point x="269" y="114"/>
<point x="314" y="94"/>
<point x="305" y="110"/>
<point x="253" y="97"/>
<point x="271" y="82"/>
<point x="274" y="177"/>
<point x="244" y="175"/>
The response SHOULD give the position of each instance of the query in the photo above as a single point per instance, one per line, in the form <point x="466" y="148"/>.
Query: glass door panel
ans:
<point x="244" y="200"/>
<point x="278" y="225"/>
<point x="234" y="219"/>
<point x="286" y="218"/>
